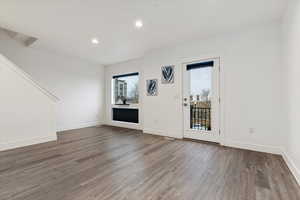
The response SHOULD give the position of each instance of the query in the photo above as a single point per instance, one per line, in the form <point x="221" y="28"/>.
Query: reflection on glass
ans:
<point x="126" y="90"/>
<point x="200" y="98"/>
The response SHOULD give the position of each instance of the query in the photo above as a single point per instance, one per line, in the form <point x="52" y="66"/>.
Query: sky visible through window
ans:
<point x="200" y="80"/>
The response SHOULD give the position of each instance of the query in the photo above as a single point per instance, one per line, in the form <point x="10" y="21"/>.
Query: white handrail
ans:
<point x="27" y="77"/>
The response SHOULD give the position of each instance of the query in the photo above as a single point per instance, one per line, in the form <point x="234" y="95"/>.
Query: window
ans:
<point x="125" y="89"/>
<point x="200" y="91"/>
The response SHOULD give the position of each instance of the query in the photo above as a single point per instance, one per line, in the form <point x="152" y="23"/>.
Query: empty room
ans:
<point x="150" y="100"/>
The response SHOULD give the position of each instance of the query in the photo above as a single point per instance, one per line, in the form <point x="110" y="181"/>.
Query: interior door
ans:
<point x="201" y="102"/>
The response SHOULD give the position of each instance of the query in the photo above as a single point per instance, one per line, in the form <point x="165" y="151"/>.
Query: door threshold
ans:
<point x="201" y="141"/>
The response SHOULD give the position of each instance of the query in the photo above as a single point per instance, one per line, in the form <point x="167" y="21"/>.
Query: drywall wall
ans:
<point x="250" y="86"/>
<point x="78" y="84"/>
<point x="291" y="70"/>
<point x="27" y="112"/>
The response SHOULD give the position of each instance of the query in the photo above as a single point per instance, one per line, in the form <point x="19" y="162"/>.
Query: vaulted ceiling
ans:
<point x="67" y="26"/>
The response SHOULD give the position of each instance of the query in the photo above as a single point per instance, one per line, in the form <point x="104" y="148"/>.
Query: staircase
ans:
<point x="27" y="111"/>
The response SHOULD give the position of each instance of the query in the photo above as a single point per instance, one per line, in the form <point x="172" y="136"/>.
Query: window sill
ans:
<point x="128" y="106"/>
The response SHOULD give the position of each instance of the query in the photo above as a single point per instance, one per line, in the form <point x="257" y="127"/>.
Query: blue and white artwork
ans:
<point x="167" y="74"/>
<point x="152" y="86"/>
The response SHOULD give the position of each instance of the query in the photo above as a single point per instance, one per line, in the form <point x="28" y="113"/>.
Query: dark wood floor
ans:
<point x="114" y="163"/>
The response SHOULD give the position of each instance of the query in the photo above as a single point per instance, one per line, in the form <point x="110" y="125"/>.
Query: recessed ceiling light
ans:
<point x="95" y="41"/>
<point x="138" y="24"/>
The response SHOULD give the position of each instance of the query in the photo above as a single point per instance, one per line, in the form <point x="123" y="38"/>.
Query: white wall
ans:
<point x="250" y="86"/>
<point x="27" y="112"/>
<point x="291" y="67"/>
<point x="78" y="84"/>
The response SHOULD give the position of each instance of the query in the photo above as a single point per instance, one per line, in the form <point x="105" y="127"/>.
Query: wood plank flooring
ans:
<point x="113" y="163"/>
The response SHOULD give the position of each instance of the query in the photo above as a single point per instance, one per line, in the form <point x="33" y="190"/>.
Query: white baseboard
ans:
<point x="254" y="147"/>
<point x="79" y="125"/>
<point x="53" y="137"/>
<point x="23" y="143"/>
<point x="160" y="133"/>
<point x="291" y="165"/>
<point x="124" y="125"/>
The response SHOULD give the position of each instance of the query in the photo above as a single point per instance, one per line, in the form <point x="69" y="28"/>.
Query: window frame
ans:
<point x="113" y="88"/>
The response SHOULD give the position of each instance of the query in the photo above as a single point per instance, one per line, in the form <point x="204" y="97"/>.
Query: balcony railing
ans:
<point x="200" y="118"/>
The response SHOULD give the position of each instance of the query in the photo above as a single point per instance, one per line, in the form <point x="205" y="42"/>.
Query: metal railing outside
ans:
<point x="200" y="118"/>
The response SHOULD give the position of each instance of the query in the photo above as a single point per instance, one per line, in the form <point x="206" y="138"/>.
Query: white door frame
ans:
<point x="215" y="134"/>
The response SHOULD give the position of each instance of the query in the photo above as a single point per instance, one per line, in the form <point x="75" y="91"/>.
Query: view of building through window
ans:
<point x="126" y="89"/>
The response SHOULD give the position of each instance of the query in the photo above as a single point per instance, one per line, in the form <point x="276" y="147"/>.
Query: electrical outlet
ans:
<point x="251" y="130"/>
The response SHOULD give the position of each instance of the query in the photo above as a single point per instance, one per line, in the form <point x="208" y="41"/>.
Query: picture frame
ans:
<point x="167" y="74"/>
<point x="152" y="87"/>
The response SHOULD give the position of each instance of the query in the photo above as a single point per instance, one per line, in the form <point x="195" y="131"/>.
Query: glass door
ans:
<point x="201" y="100"/>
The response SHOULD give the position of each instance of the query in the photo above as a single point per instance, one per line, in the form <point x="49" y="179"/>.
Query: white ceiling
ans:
<point x="67" y="26"/>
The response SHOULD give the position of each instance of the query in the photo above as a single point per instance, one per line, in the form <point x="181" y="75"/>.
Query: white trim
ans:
<point x="129" y="125"/>
<point x="159" y="132"/>
<point x="79" y="125"/>
<point x="291" y="165"/>
<point x="253" y="147"/>
<point x="202" y="137"/>
<point x="27" y="77"/>
<point x="23" y="143"/>
<point x="130" y="106"/>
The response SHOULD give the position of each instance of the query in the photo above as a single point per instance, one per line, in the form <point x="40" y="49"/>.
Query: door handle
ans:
<point x="185" y="104"/>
